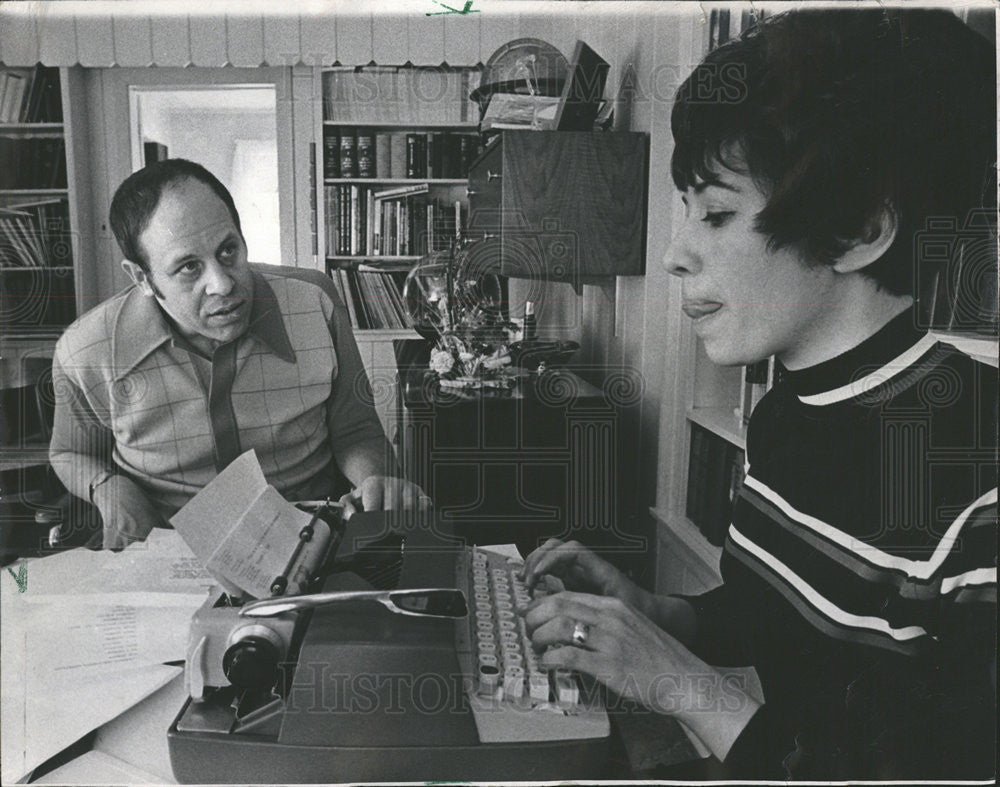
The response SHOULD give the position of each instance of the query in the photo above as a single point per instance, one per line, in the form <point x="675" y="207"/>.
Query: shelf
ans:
<point x="385" y="334"/>
<point x="375" y="258"/>
<point x="719" y="421"/>
<point x="32" y="129"/>
<point x="389" y="126"/>
<point x="33" y="453"/>
<point x="395" y="181"/>
<point x="682" y="528"/>
<point x="7" y="268"/>
<point x="33" y="192"/>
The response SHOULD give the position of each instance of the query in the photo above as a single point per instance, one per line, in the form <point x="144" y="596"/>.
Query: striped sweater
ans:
<point x="859" y="573"/>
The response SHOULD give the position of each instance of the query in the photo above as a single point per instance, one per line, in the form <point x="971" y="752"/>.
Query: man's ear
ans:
<point x="864" y="251"/>
<point x="139" y="276"/>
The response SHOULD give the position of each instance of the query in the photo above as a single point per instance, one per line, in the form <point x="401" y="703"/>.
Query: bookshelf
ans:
<point x="39" y="222"/>
<point x="394" y="145"/>
<point x="702" y="438"/>
<point x="45" y="270"/>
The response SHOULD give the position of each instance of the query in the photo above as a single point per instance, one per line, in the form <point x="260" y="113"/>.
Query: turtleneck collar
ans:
<point x="888" y="352"/>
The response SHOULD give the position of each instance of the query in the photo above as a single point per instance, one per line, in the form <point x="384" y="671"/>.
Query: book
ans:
<point x="398" y="147"/>
<point x="153" y="152"/>
<point x="348" y="154"/>
<point x="383" y="155"/>
<point x="13" y="87"/>
<point x="519" y="111"/>
<point x="365" y="147"/>
<point x="414" y="166"/>
<point x="715" y="476"/>
<point x="401" y="191"/>
<point x="349" y="298"/>
<point x="331" y="153"/>
<point x="583" y="91"/>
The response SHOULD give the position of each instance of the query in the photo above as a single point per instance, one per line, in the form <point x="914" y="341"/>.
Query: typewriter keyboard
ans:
<point x="512" y="695"/>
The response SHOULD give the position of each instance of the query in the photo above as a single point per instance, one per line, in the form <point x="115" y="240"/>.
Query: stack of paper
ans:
<point x="87" y="639"/>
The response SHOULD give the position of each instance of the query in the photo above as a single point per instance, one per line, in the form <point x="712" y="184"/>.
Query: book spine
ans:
<point x="398" y="147"/>
<point x="439" y="142"/>
<point x="330" y="222"/>
<point x="348" y="299"/>
<point x="355" y="220"/>
<point x="369" y="222"/>
<point x="412" y="152"/>
<point x="430" y="156"/>
<point x="366" y="154"/>
<point x="331" y="153"/>
<point x="345" y="220"/>
<point x="348" y="154"/>
<point x="383" y="155"/>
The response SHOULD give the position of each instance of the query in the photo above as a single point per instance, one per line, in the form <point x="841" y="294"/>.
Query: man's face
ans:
<point x="747" y="301"/>
<point x="198" y="268"/>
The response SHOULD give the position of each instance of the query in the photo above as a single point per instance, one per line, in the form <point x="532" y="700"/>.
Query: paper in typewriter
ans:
<point x="241" y="527"/>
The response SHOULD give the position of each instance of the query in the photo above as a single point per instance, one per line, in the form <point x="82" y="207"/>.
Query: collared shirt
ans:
<point x="133" y="396"/>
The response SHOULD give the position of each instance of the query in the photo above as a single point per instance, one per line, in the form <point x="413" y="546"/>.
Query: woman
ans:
<point x="859" y="573"/>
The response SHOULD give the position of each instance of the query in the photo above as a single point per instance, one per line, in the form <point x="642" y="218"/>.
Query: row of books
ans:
<point x="757" y="379"/>
<point x="363" y="153"/>
<point x="36" y="298"/>
<point x="37" y="163"/>
<point x="35" y="235"/>
<point x="30" y="95"/>
<point x="374" y="298"/>
<point x="405" y="221"/>
<point x="715" y="475"/>
<point x="400" y="95"/>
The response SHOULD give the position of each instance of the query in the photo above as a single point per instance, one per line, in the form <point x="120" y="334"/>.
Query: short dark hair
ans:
<point x="136" y="199"/>
<point x="839" y="115"/>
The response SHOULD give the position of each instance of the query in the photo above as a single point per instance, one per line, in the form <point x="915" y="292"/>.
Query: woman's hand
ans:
<point x="612" y="642"/>
<point x="578" y="569"/>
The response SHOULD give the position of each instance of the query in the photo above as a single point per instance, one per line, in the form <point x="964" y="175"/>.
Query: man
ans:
<point x="859" y="573"/>
<point x="204" y="357"/>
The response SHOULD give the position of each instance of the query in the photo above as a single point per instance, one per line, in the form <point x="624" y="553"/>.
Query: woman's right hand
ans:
<point x="578" y="569"/>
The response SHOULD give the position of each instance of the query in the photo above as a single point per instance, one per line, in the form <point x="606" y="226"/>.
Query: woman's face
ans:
<point x="747" y="301"/>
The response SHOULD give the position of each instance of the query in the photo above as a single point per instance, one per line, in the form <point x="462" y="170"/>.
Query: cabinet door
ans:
<point x="575" y="199"/>
<point x="485" y="178"/>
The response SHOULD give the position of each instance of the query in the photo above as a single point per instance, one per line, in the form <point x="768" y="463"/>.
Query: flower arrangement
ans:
<point x="463" y="307"/>
<point x="474" y="352"/>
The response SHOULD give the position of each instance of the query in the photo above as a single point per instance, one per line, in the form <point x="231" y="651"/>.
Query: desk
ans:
<point x="517" y="465"/>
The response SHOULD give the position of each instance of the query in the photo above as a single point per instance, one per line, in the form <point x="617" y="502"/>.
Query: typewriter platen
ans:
<point x="354" y="692"/>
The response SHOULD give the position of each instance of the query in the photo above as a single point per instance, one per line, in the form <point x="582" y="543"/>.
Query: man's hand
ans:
<point x="126" y="511"/>
<point x="386" y="493"/>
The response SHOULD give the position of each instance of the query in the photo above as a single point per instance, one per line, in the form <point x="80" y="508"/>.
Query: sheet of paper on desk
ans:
<point x="247" y="544"/>
<point x="65" y="669"/>
<point x="162" y="570"/>
<point x="86" y="641"/>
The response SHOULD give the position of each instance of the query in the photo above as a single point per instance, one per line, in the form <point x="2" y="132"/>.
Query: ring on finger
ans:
<point x="581" y="631"/>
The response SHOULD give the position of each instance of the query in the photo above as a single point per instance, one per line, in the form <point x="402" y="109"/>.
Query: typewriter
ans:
<point x="401" y="662"/>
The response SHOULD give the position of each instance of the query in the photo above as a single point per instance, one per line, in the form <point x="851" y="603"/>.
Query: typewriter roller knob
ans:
<point x="251" y="661"/>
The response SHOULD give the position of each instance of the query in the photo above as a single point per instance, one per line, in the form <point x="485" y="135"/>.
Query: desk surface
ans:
<point x="554" y="387"/>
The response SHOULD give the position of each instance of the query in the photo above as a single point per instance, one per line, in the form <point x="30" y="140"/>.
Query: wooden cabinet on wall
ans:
<point x="565" y="205"/>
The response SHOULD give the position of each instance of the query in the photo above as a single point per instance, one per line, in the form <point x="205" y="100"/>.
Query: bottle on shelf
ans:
<point x="530" y="327"/>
